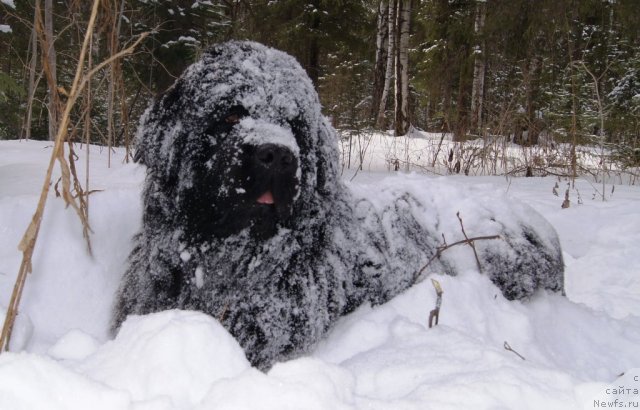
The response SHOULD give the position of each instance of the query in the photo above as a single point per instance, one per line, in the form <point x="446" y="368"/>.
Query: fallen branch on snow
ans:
<point x="466" y="241"/>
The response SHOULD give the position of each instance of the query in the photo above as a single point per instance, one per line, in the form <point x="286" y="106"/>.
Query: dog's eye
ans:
<point x="225" y="123"/>
<point x="232" y="119"/>
<point x="235" y="114"/>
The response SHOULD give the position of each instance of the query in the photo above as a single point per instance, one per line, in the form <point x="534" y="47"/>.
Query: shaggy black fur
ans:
<point x="246" y="219"/>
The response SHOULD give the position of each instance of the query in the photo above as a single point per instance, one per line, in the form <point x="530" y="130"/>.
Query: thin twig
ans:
<point x="470" y="242"/>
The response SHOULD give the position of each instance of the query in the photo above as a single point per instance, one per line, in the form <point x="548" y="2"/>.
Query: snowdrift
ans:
<point x="576" y="348"/>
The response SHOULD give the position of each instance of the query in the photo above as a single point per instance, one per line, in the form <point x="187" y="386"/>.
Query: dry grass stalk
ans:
<point x="567" y="202"/>
<point x="28" y="242"/>
<point x="434" y="315"/>
<point x="510" y="349"/>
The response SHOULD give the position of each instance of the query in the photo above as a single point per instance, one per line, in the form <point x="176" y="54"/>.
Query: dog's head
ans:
<point x="238" y="142"/>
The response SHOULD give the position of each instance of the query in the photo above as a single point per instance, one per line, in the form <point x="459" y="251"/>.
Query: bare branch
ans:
<point x="470" y="242"/>
<point x="442" y="248"/>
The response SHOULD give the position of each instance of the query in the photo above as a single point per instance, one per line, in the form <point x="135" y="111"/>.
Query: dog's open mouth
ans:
<point x="266" y="199"/>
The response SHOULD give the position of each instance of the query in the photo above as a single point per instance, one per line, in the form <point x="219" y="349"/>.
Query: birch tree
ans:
<point x="477" y="90"/>
<point x="382" y="55"/>
<point x="391" y="32"/>
<point x="402" y="123"/>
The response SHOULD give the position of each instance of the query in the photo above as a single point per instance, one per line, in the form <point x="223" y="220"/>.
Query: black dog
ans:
<point x="246" y="219"/>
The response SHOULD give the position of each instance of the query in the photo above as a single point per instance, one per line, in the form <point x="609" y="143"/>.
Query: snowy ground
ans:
<point x="437" y="154"/>
<point x="384" y="357"/>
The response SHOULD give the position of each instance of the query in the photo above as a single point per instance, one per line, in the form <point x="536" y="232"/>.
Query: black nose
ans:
<point x="275" y="158"/>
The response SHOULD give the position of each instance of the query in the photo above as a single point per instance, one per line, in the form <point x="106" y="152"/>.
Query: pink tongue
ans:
<point x="266" y="198"/>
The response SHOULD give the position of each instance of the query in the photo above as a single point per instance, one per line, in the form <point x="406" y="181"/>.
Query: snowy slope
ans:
<point x="384" y="357"/>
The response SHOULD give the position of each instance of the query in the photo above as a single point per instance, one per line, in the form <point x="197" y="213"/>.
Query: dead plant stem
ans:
<point x="28" y="242"/>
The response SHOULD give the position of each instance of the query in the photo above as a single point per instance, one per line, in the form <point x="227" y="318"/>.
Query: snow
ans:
<point x="258" y="132"/>
<point x="382" y="357"/>
<point x="188" y="39"/>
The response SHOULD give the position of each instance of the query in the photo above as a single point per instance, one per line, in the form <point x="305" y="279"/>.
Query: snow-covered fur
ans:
<point x="246" y="218"/>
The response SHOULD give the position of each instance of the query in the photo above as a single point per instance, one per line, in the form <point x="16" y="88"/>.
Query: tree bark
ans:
<point x="380" y="121"/>
<point x="479" y="67"/>
<point x="111" y="95"/>
<point x="402" y="69"/>
<point x="532" y="91"/>
<point x="115" y="72"/>
<point x="33" y="61"/>
<point x="313" y="61"/>
<point x="53" y="103"/>
<point x="462" y="116"/>
<point x="382" y="56"/>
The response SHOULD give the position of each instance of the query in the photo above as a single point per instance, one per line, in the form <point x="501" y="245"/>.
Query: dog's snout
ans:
<point x="275" y="158"/>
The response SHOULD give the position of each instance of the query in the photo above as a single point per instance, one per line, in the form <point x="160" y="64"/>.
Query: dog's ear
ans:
<point x="170" y="99"/>
<point x="154" y="125"/>
<point x="327" y="159"/>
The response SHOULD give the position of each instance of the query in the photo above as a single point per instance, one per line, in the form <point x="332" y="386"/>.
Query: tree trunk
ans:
<point x="460" y="127"/>
<point x="87" y="126"/>
<point x="110" y="98"/>
<point x="574" y="109"/>
<point x="382" y="48"/>
<point x="479" y="66"/>
<point x="402" y="69"/>
<point x="380" y="121"/>
<point x="5" y="49"/>
<point x="115" y="72"/>
<point x="313" y="47"/>
<point x="33" y="61"/>
<point x="532" y="91"/>
<point x="314" y="60"/>
<point x="53" y="103"/>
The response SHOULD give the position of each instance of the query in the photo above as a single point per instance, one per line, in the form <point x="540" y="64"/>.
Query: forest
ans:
<point x="492" y="89"/>
<point x="537" y="72"/>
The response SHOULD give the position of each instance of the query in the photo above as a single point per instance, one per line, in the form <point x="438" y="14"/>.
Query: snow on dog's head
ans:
<point x="240" y="203"/>
<point x="248" y="119"/>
